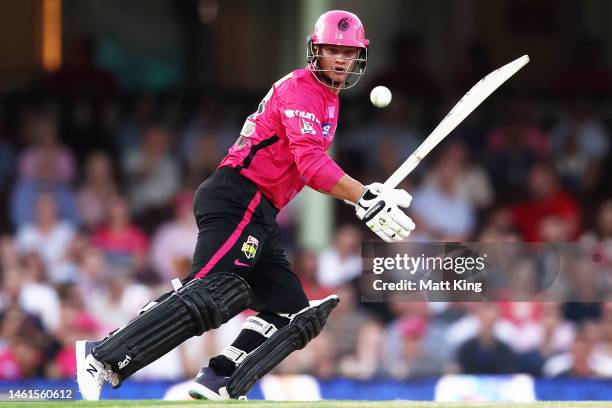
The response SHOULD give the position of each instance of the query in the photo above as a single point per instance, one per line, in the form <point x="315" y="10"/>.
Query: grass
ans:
<point x="315" y="404"/>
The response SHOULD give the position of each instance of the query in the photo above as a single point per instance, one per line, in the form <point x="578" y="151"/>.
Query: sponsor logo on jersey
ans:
<point x="248" y="128"/>
<point x="247" y="131"/>
<point x="307" y="128"/>
<point x="326" y="128"/>
<point x="242" y="142"/>
<point x="296" y="113"/>
<point x="250" y="247"/>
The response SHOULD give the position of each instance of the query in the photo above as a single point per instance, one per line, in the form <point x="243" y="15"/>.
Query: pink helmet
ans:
<point x="338" y="27"/>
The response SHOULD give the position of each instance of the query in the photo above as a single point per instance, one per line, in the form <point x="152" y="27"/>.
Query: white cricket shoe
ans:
<point x="91" y="373"/>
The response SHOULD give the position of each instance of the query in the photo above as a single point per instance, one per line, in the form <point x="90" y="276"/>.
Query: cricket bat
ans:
<point x="457" y="114"/>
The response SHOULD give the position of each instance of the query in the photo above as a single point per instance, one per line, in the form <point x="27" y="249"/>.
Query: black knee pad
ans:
<point x="304" y="327"/>
<point x="200" y="305"/>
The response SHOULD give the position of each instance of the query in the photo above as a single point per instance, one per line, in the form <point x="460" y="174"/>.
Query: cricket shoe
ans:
<point x="210" y="386"/>
<point x="91" y="373"/>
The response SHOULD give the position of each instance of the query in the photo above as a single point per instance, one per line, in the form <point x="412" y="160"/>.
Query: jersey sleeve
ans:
<point x="302" y="123"/>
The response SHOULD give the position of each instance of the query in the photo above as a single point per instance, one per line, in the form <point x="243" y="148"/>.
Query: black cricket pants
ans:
<point x="238" y="233"/>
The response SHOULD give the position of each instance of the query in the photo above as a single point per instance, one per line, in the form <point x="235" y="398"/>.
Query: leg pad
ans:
<point x="304" y="326"/>
<point x="200" y="305"/>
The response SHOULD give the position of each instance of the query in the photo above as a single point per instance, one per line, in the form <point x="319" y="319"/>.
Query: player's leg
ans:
<point x="286" y="320"/>
<point x="215" y="291"/>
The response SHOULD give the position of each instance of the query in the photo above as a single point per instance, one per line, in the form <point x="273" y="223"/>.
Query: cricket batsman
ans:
<point x="239" y="261"/>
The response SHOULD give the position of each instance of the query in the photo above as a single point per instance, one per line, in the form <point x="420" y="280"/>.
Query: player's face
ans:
<point x="336" y="61"/>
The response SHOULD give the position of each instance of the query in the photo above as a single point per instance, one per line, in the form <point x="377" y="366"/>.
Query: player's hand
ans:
<point x="379" y="208"/>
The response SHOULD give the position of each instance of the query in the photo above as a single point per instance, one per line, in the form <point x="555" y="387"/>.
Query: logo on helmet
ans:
<point x="343" y="24"/>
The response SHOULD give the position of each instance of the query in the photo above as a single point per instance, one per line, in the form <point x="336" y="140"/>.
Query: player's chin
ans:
<point x="337" y="78"/>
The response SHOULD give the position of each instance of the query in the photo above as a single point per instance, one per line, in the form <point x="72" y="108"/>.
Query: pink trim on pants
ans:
<point x="246" y="219"/>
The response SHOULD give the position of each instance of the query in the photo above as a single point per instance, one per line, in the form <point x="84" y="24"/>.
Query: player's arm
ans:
<point x="377" y="206"/>
<point x="347" y="189"/>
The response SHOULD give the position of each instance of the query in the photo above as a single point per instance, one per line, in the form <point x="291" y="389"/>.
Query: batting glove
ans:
<point x="379" y="208"/>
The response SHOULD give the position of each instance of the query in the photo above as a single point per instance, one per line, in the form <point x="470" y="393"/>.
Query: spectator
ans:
<point x="342" y="262"/>
<point x="535" y="341"/>
<point x="203" y="159"/>
<point x="21" y="342"/>
<point x="152" y="172"/>
<point x="37" y="296"/>
<point x="576" y="362"/>
<point x="174" y="242"/>
<point x="9" y="256"/>
<point x="366" y="363"/>
<point x="414" y="361"/>
<point x="418" y="333"/>
<point x="555" y="333"/>
<point x="549" y="213"/>
<point x="76" y="323"/>
<point x="597" y="242"/>
<point x="26" y="194"/>
<point x="586" y="288"/>
<point x="517" y="300"/>
<point x="473" y="184"/>
<point x="345" y="321"/>
<point x="49" y="236"/>
<point x="305" y="266"/>
<point x="580" y="143"/>
<point x="97" y="188"/>
<point x="318" y="359"/>
<point x="485" y="353"/>
<point x="207" y="132"/>
<point x="439" y="208"/>
<point x="22" y="359"/>
<point x="12" y="282"/>
<point x="117" y="300"/>
<point x="513" y="146"/>
<point x="130" y="135"/>
<point x="602" y="353"/>
<point x="45" y="151"/>
<point x="123" y="243"/>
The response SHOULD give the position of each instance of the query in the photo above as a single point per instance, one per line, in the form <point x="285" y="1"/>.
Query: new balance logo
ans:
<point x="92" y="370"/>
<point x="124" y="363"/>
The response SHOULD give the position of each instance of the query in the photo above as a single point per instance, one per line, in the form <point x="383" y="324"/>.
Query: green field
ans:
<point x="317" y="404"/>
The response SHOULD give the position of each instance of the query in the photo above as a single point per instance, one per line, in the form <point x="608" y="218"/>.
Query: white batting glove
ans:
<point x="379" y="208"/>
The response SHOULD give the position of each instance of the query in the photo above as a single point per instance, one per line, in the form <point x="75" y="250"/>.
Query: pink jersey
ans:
<point x="283" y="145"/>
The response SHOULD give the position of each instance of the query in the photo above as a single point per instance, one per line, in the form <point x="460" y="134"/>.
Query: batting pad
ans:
<point x="201" y="305"/>
<point x="304" y="327"/>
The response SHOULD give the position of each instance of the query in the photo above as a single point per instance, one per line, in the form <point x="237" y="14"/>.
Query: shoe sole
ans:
<point x="198" y="391"/>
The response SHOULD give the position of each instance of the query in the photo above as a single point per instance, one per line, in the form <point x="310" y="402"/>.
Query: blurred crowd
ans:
<point x="97" y="219"/>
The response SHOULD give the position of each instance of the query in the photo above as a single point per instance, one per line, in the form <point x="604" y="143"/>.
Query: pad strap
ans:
<point x="234" y="354"/>
<point x="259" y="325"/>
